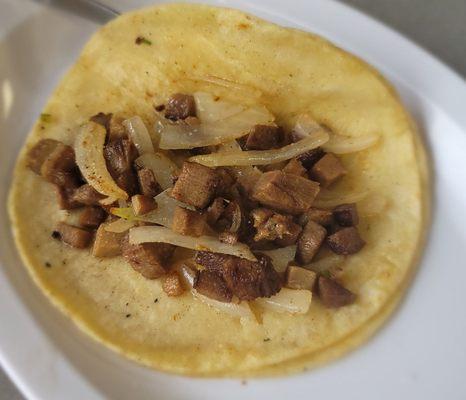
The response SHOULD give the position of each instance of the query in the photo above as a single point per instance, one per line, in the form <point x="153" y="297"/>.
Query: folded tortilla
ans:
<point x="186" y="49"/>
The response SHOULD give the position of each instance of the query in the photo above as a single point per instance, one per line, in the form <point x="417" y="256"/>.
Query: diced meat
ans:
<point x="215" y="210"/>
<point x="246" y="279"/>
<point x="147" y="183"/>
<point x="288" y="193"/>
<point x="309" y="158"/>
<point x="300" y="278"/>
<point x="295" y="167"/>
<point x="120" y="155"/>
<point x="180" y="106"/>
<point x="345" y="241"/>
<point x="327" y="170"/>
<point x="226" y="181"/>
<point x="142" y="204"/>
<point x="212" y="285"/>
<point x="72" y="235"/>
<point x="309" y="242"/>
<point x="172" y="285"/>
<point x="40" y="152"/>
<point x="92" y="217"/>
<point x="112" y="124"/>
<point x="228" y="237"/>
<point x="346" y="214"/>
<point x="64" y="196"/>
<point x="87" y="195"/>
<point x="319" y="216"/>
<point x="101" y="118"/>
<point x="107" y="244"/>
<point x="151" y="260"/>
<point x="274" y="226"/>
<point x="264" y="137"/>
<point x="196" y="185"/>
<point x="332" y="294"/>
<point x="189" y="222"/>
<point x="60" y="167"/>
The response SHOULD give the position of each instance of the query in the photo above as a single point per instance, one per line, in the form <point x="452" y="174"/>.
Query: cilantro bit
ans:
<point x="142" y="40"/>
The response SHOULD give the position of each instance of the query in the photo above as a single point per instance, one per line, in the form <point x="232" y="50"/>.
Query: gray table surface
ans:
<point x="437" y="25"/>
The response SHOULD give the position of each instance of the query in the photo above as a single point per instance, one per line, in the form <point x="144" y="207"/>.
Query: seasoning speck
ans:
<point x="267" y="340"/>
<point x="56" y="235"/>
<point x="45" y="117"/>
<point x="160" y="107"/>
<point x="156" y="300"/>
<point x="128" y="315"/>
<point x="142" y="40"/>
<point x="47" y="264"/>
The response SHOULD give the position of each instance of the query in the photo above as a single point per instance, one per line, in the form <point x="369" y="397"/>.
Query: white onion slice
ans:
<point x="294" y="301"/>
<point x="339" y="144"/>
<point x="138" y="134"/>
<point x="160" y="234"/>
<point x="184" y="136"/>
<point x="331" y="263"/>
<point x="241" y="310"/>
<point x="226" y="83"/>
<point x="209" y="110"/>
<point x="263" y="157"/>
<point x="281" y="257"/>
<point x="119" y="226"/>
<point x="89" y="147"/>
<point x="163" y="168"/>
<point x="305" y="125"/>
<point x="328" y="201"/>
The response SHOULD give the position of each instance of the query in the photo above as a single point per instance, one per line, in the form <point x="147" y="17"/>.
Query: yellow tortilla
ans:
<point x="288" y="71"/>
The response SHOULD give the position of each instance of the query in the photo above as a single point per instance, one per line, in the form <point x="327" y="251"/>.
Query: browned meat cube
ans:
<point x="120" y="155"/>
<point x="101" y="118"/>
<point x="246" y="279"/>
<point x="285" y="192"/>
<point x="215" y="210"/>
<point x="295" y="167"/>
<point x="327" y="170"/>
<point x="60" y="167"/>
<point x="72" y="235"/>
<point x="309" y="158"/>
<point x="309" y="242"/>
<point x="147" y="183"/>
<point x="274" y="226"/>
<point x="112" y="124"/>
<point x="40" y="152"/>
<point x="345" y="241"/>
<point x="228" y="237"/>
<point x="87" y="195"/>
<point x="180" y="106"/>
<point x="142" y="204"/>
<point x="172" y="285"/>
<point x="264" y="137"/>
<point x="332" y="294"/>
<point x="226" y="181"/>
<point x="151" y="260"/>
<point x="300" y="278"/>
<point x="196" y="185"/>
<point x="319" y="216"/>
<point x="107" y="244"/>
<point x="64" y="196"/>
<point x="346" y="214"/>
<point x="92" y="217"/>
<point x="212" y="285"/>
<point x="188" y="222"/>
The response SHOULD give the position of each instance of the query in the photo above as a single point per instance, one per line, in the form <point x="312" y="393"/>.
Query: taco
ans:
<point x="211" y="194"/>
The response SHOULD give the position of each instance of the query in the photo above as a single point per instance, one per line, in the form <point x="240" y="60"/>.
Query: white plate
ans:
<point x="420" y="353"/>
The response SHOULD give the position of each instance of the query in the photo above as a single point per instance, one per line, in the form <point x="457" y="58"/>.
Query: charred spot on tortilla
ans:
<point x="236" y="200"/>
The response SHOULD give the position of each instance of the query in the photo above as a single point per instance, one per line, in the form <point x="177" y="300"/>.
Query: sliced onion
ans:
<point x="89" y="147"/>
<point x="163" y="168"/>
<point x="183" y="136"/>
<point x="305" y="126"/>
<point x="281" y="257"/>
<point x="263" y="157"/>
<point x="139" y="135"/>
<point x="119" y="226"/>
<point x="209" y="110"/>
<point x="162" y="215"/>
<point x="241" y="310"/>
<point x="339" y="144"/>
<point x="160" y="234"/>
<point x="294" y="301"/>
<point x="331" y="263"/>
<point x="226" y="83"/>
<point x="328" y="201"/>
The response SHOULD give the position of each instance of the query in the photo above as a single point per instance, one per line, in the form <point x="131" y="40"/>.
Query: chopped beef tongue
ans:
<point x="87" y="195"/>
<point x="295" y="167"/>
<point x="120" y="155"/>
<point x="107" y="244"/>
<point x="300" y="278"/>
<point x="172" y="285"/>
<point x="264" y="137"/>
<point x="346" y="214"/>
<point x="309" y="158"/>
<point x="273" y="226"/>
<point x="212" y="285"/>
<point x="151" y="260"/>
<point x="345" y="241"/>
<point x="332" y="294"/>
<point x="327" y="170"/>
<point x="72" y="235"/>
<point x="228" y="237"/>
<point x="180" y="106"/>
<point x="92" y="217"/>
<point x="319" y="216"/>
<point x="284" y="192"/>
<point x="246" y="279"/>
<point x="196" y="185"/>
<point x="142" y="204"/>
<point x="147" y="183"/>
<point x="189" y="222"/>
<point x="309" y="242"/>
